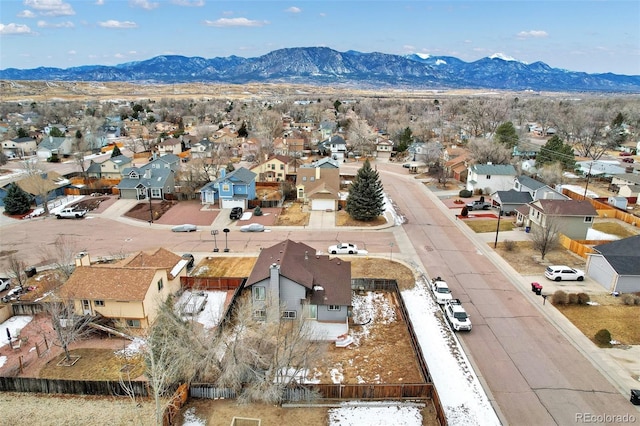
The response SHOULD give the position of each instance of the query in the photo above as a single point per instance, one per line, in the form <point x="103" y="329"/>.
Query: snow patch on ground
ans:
<point x="376" y="413"/>
<point x="14" y="325"/>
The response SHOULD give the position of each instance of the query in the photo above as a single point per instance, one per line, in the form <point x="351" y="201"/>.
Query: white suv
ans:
<point x="456" y="315"/>
<point x="440" y="290"/>
<point x="563" y="273"/>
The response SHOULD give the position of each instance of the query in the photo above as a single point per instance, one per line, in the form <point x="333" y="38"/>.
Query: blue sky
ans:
<point x="590" y="36"/>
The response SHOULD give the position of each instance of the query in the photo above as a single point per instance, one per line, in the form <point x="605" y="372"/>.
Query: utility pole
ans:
<point x="587" y="184"/>
<point x="495" y="244"/>
<point x="150" y="206"/>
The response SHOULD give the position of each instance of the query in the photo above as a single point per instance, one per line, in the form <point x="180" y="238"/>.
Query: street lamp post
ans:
<point x="214" y="232"/>
<point x="495" y="244"/>
<point x="226" y="233"/>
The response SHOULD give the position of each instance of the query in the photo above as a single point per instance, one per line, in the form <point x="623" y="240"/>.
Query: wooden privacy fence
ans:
<point x="179" y="398"/>
<point x="74" y="387"/>
<point x="207" y="283"/>
<point x="581" y="248"/>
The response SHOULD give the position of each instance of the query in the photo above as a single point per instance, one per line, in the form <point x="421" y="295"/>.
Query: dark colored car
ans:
<point x="236" y="213"/>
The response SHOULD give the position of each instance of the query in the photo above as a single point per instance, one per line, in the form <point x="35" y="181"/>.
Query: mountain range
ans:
<point x="325" y="66"/>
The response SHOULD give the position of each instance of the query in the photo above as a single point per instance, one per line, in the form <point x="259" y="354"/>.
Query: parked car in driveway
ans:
<point x="252" y="227"/>
<point x="236" y="213"/>
<point x="187" y="227"/>
<point x="71" y="213"/>
<point x="625" y="154"/>
<point x="563" y="273"/>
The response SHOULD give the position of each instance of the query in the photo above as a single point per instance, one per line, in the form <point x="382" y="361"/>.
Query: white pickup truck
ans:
<point x="440" y="290"/>
<point x="71" y="213"/>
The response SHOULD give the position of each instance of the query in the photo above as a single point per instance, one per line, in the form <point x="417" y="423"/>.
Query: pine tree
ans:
<point x="555" y="150"/>
<point x="16" y="201"/>
<point x="506" y="134"/>
<point x="366" y="199"/>
<point x="116" y="151"/>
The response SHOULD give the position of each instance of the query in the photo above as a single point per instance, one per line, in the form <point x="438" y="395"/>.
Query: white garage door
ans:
<point x="228" y="204"/>
<point x="323" y="204"/>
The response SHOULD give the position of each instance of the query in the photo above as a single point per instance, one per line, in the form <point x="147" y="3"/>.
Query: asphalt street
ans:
<point x="536" y="367"/>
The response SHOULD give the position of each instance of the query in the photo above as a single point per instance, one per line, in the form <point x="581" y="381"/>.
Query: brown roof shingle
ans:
<point x="108" y="283"/>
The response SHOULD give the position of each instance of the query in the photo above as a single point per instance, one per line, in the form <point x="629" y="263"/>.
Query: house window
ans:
<point x="259" y="293"/>
<point x="304" y="178"/>
<point x="155" y="193"/>
<point x="98" y="303"/>
<point x="281" y="166"/>
<point x="334" y="307"/>
<point x="133" y="323"/>
<point x="225" y="187"/>
<point x="588" y="219"/>
<point x="160" y="284"/>
<point x="260" y="314"/>
<point x="289" y="314"/>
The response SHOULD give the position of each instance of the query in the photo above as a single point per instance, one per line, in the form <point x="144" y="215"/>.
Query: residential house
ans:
<point x="384" y="148"/>
<point x="289" y="280"/>
<point x="275" y="169"/>
<point x="232" y="189"/>
<point x="627" y="184"/>
<point x="537" y="189"/>
<point x="202" y="149"/>
<point x="129" y="292"/>
<point x="335" y="147"/>
<point x="455" y="163"/>
<point x="599" y="168"/>
<point x="169" y="146"/>
<point x="616" y="265"/>
<point x="489" y="178"/>
<point x="19" y="147"/>
<point x="40" y="185"/>
<point x="429" y="152"/>
<point x="290" y="146"/>
<point x="249" y="148"/>
<point x="113" y="167"/>
<point x="526" y="150"/>
<point x="572" y="218"/>
<point x="51" y="146"/>
<point x="155" y="179"/>
<point x="326" y="128"/>
<point x="318" y="184"/>
<point x="510" y="200"/>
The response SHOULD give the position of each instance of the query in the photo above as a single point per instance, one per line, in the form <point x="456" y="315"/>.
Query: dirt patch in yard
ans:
<point x="527" y="261"/>
<point x="368" y="267"/>
<point x="141" y="210"/>
<point x="224" y="267"/>
<point x="294" y="214"/>
<point x="90" y="203"/>
<point x="95" y="364"/>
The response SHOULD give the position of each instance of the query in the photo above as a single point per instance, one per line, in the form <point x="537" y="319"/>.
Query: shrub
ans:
<point x="628" y="299"/>
<point x="257" y="211"/>
<point x="572" y="299"/>
<point x="465" y="193"/>
<point x="509" y="245"/>
<point x="559" y="298"/>
<point x="603" y="338"/>
<point x="464" y="212"/>
<point x="583" y="298"/>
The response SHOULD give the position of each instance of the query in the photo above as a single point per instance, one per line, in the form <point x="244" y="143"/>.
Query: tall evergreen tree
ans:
<point x="555" y="150"/>
<point x="16" y="201"/>
<point x="366" y="199"/>
<point x="506" y="134"/>
<point x="115" y="152"/>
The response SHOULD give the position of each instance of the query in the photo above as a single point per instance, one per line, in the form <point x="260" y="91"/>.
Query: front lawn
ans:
<point x="480" y="226"/>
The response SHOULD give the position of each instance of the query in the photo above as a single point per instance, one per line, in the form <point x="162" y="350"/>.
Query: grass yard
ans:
<point x="363" y="267"/>
<point x="343" y="219"/>
<point x="614" y="228"/>
<point x="94" y="364"/>
<point x="480" y="226"/>
<point x="527" y="261"/>
<point x="622" y="321"/>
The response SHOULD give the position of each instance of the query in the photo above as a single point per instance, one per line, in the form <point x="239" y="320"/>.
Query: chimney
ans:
<point x="306" y="255"/>
<point x="82" y="259"/>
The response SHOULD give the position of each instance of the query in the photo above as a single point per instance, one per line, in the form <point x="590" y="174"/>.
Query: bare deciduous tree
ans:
<point x="483" y="151"/>
<point x="69" y="326"/>
<point x="62" y="255"/>
<point x="16" y="268"/>
<point x="545" y="237"/>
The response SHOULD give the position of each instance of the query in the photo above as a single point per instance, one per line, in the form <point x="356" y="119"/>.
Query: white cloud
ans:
<point x="112" y="23"/>
<point x="533" y="34"/>
<point x="235" y="22"/>
<point x="144" y="4"/>
<point x="119" y="55"/>
<point x="189" y="3"/>
<point x="14" y="29"/>
<point x="293" y="9"/>
<point x="45" y="24"/>
<point x="50" y="7"/>
<point x="26" y="14"/>
<point x="71" y="52"/>
<point x="99" y="2"/>
<point x="323" y="15"/>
